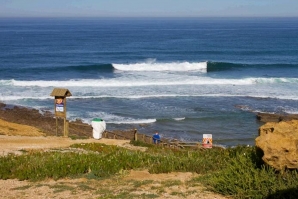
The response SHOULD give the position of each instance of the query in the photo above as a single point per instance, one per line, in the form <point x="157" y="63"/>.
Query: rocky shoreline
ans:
<point x="46" y="122"/>
<point x="276" y="117"/>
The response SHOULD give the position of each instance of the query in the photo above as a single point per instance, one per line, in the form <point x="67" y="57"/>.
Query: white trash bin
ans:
<point x="99" y="126"/>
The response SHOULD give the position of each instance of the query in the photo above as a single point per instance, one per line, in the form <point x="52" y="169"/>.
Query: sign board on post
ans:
<point x="60" y="95"/>
<point x="60" y="106"/>
<point x="207" y="141"/>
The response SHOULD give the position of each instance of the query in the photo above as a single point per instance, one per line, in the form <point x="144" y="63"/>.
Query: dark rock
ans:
<point x="46" y="122"/>
<point x="276" y="117"/>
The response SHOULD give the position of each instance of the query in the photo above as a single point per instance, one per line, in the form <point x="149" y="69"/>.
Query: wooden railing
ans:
<point x="133" y="134"/>
<point x="166" y="143"/>
<point x="112" y="135"/>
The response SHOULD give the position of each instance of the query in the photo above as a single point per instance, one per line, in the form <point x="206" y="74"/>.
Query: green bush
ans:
<point x="37" y="166"/>
<point x="237" y="172"/>
<point x="244" y="177"/>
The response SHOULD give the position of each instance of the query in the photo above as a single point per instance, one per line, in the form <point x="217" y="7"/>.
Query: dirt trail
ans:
<point x="16" y="144"/>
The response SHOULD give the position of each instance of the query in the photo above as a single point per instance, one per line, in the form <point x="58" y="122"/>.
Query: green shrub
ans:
<point x="244" y="177"/>
<point x="236" y="172"/>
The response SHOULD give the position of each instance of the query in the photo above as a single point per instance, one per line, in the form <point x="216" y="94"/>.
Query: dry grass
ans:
<point x="9" y="128"/>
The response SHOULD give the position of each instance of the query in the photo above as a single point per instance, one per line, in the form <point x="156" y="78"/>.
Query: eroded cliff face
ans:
<point x="279" y="143"/>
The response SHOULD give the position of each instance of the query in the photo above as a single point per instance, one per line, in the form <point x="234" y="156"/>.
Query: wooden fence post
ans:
<point x="135" y="134"/>
<point x="67" y="128"/>
<point x="56" y="126"/>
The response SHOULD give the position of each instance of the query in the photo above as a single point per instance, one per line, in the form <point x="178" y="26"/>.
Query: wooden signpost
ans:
<point x="60" y="95"/>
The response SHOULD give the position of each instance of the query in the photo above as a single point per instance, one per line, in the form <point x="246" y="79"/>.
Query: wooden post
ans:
<point x="67" y="128"/>
<point x="64" y="127"/>
<point x="136" y="135"/>
<point x="60" y="95"/>
<point x="56" y="126"/>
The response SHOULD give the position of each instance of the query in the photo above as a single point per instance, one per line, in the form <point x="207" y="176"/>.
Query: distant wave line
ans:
<point x="205" y="66"/>
<point x="137" y="83"/>
<point x="142" y="121"/>
<point x="73" y="97"/>
<point x="148" y="65"/>
<point x="221" y="66"/>
<point x="66" y="68"/>
<point x="157" y="66"/>
<point x="179" y="118"/>
<point x="186" y="95"/>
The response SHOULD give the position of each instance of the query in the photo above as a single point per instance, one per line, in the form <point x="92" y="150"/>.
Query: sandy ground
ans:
<point x="16" y="138"/>
<point x="16" y="144"/>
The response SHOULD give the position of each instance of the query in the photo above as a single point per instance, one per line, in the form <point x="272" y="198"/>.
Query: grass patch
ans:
<point x="170" y="183"/>
<point x="22" y="187"/>
<point x="237" y="172"/>
<point x="129" y="195"/>
<point x="76" y="137"/>
<point x="84" y="187"/>
<point x="137" y="184"/>
<point x="140" y="143"/>
<point x="244" y="177"/>
<point x="176" y="193"/>
<point x="61" y="188"/>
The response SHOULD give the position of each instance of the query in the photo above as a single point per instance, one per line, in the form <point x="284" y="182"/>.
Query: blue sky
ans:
<point x="148" y="8"/>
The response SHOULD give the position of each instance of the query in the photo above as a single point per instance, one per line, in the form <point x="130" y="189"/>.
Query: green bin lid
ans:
<point x="97" y="120"/>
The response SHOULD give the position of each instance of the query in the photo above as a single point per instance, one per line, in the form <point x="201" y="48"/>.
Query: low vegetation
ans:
<point x="237" y="172"/>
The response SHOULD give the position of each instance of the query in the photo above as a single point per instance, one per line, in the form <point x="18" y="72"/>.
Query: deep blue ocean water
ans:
<point x="183" y="77"/>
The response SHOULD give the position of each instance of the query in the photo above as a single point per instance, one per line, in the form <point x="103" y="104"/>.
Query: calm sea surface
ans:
<point x="184" y="77"/>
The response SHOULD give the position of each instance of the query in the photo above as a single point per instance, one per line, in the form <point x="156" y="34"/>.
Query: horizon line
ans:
<point x="96" y="17"/>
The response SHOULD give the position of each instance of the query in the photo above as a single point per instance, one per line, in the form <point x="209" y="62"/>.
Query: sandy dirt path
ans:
<point x="16" y="144"/>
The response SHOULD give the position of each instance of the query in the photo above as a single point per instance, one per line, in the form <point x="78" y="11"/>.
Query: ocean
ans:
<point x="182" y="77"/>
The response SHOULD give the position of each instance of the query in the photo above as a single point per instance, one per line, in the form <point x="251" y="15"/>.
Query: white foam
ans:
<point x="20" y="97"/>
<point x="152" y="65"/>
<point x="179" y="118"/>
<point x="275" y="80"/>
<point x="25" y="97"/>
<point x="171" y="80"/>
<point x="116" y="119"/>
<point x="133" y="121"/>
<point x="291" y="110"/>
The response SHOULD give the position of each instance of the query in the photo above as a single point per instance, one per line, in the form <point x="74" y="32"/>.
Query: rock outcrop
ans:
<point x="276" y="117"/>
<point x="279" y="143"/>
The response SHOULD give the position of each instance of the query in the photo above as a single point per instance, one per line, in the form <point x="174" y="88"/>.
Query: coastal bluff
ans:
<point x="279" y="142"/>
